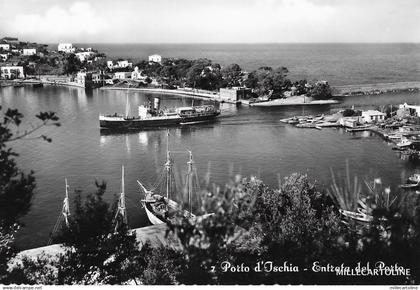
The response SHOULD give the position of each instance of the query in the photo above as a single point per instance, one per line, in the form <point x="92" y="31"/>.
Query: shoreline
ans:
<point x="338" y="91"/>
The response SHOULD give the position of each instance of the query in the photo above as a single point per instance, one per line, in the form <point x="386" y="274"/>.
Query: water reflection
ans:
<point x="143" y="138"/>
<point x="246" y="140"/>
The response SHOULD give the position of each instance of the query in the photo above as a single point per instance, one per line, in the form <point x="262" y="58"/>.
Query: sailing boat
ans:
<point x="64" y="214"/>
<point x="162" y="209"/>
<point x="121" y="214"/>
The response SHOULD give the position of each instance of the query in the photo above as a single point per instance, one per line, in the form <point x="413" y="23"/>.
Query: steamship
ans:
<point x="153" y="116"/>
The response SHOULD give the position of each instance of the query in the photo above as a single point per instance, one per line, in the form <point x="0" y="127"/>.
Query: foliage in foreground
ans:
<point x="16" y="186"/>
<point x="250" y="224"/>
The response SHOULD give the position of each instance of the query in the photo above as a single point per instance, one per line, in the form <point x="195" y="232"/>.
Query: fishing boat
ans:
<point x="394" y="136"/>
<point x="159" y="206"/>
<point x="405" y="142"/>
<point x="412" y="182"/>
<point x="414" y="178"/>
<point x="409" y="185"/>
<point x="292" y="121"/>
<point x="357" y="216"/>
<point x="120" y="218"/>
<point x="64" y="215"/>
<point x="362" y="213"/>
<point x="308" y="125"/>
<point x="153" y="116"/>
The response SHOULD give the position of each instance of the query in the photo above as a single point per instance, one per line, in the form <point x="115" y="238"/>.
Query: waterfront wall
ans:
<point x="345" y="90"/>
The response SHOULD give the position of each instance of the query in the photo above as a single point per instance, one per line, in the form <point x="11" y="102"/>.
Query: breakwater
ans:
<point x="375" y="89"/>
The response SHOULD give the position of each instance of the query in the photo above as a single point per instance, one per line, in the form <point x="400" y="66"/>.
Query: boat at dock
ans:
<point x="308" y="125"/>
<point x="359" y="216"/>
<point x="414" y="178"/>
<point x="405" y="142"/>
<point x="412" y="182"/>
<point x="359" y="128"/>
<point x="153" y="116"/>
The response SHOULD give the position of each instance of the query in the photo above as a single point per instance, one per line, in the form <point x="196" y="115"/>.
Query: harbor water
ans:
<point x="245" y="140"/>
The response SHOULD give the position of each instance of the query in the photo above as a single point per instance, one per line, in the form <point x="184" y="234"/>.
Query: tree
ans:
<point x="231" y="75"/>
<point x="71" y="64"/>
<point x="297" y="224"/>
<point x="321" y="90"/>
<point x="268" y="82"/>
<point x="96" y="252"/>
<point x="16" y="187"/>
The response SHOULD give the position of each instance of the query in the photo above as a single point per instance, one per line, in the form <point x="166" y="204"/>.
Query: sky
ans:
<point x="217" y="21"/>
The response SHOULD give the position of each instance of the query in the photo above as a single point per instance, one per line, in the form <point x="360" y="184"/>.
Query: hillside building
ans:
<point x="12" y="72"/>
<point x="66" y="47"/>
<point x="155" y="58"/>
<point x="29" y="51"/>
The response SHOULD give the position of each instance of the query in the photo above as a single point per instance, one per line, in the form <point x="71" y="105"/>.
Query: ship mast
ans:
<point x="189" y="181"/>
<point x="127" y="105"/>
<point x="168" y="167"/>
<point x="65" y="213"/>
<point x="121" y="202"/>
<point x="66" y="207"/>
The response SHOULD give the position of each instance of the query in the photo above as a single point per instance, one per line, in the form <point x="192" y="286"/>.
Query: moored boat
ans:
<point x="414" y="178"/>
<point x="412" y="182"/>
<point x="404" y="143"/>
<point x="357" y="216"/>
<point x="162" y="209"/>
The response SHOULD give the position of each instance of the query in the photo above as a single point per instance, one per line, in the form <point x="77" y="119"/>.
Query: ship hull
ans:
<point x="157" y="219"/>
<point x="152" y="218"/>
<point x="140" y="124"/>
<point x="202" y="118"/>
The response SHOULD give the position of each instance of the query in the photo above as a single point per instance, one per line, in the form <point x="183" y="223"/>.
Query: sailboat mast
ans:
<point x="126" y="107"/>
<point x="126" y="103"/>
<point x="168" y="166"/>
<point x="66" y="207"/>
<point x="121" y="204"/>
<point x="123" y="209"/>
<point x="189" y="181"/>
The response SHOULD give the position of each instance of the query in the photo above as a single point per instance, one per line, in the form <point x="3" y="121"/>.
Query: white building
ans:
<point x="66" y="47"/>
<point x="4" y="46"/>
<point x="29" y="51"/>
<point x="84" y="79"/>
<point x="412" y="109"/>
<point x="85" y="55"/>
<point x="155" y="58"/>
<point x="234" y="94"/>
<point x="110" y="64"/>
<point x="370" y="116"/>
<point x="137" y="75"/>
<point x="124" y="64"/>
<point x="119" y="64"/>
<point x="4" y="56"/>
<point x="349" y="122"/>
<point x="122" y="75"/>
<point x="12" y="72"/>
